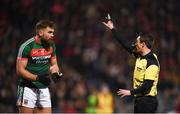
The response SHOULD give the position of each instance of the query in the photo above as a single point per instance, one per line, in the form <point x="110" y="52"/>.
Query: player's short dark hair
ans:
<point x="43" y="24"/>
<point x="147" y="39"/>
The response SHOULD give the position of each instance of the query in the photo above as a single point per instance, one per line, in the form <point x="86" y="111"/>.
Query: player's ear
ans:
<point x="40" y="32"/>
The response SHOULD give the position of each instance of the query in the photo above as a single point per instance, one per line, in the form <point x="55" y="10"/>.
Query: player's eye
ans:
<point x="50" y="32"/>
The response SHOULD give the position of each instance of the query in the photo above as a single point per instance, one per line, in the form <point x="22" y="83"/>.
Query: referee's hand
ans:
<point x="109" y="22"/>
<point x="123" y="92"/>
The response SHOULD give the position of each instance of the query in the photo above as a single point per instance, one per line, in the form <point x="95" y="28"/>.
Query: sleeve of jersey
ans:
<point x="54" y="52"/>
<point x="123" y="41"/>
<point x="23" y="53"/>
<point x="151" y="72"/>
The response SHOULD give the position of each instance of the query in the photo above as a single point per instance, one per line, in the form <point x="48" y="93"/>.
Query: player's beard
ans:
<point x="47" y="43"/>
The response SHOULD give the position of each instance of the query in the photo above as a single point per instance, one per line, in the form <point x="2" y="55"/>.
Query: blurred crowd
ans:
<point x="95" y="66"/>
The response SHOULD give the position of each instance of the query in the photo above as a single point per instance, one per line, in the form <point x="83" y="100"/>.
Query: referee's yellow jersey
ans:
<point x="146" y="68"/>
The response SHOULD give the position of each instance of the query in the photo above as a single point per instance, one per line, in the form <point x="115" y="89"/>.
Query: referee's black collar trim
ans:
<point x="147" y="55"/>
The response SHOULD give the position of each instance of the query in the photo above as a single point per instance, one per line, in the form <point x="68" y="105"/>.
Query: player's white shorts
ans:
<point x="31" y="97"/>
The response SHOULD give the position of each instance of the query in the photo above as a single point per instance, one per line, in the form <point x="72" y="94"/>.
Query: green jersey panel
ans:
<point x="38" y="57"/>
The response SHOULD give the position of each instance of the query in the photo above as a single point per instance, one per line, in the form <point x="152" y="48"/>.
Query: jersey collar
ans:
<point x="147" y="55"/>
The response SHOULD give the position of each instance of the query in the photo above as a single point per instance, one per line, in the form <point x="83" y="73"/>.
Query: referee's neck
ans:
<point x="146" y="51"/>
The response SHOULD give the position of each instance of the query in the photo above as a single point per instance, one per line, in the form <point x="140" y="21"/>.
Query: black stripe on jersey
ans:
<point x="151" y="59"/>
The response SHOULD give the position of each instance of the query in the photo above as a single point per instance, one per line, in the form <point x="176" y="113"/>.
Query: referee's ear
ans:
<point x="147" y="39"/>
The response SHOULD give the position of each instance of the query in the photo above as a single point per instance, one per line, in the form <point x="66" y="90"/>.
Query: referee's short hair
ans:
<point x="147" y="39"/>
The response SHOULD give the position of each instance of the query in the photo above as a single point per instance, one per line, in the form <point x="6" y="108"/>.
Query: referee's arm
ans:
<point x="151" y="71"/>
<point x="117" y="35"/>
<point x="123" y="41"/>
<point x="145" y="87"/>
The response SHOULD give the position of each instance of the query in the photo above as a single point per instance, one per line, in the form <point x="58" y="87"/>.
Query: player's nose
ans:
<point x="52" y="35"/>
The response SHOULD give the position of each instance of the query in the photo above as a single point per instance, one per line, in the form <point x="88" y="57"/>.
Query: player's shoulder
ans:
<point x="27" y="42"/>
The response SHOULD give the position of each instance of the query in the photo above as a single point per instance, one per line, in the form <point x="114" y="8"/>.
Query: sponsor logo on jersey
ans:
<point x="41" y="52"/>
<point x="41" y="55"/>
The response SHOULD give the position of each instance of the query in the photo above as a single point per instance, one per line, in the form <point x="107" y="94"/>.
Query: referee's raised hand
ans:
<point x="109" y="22"/>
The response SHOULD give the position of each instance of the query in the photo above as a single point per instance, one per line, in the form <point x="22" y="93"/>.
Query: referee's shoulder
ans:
<point x="152" y="60"/>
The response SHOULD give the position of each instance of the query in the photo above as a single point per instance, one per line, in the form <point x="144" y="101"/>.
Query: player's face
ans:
<point x="139" y="45"/>
<point x="47" y="35"/>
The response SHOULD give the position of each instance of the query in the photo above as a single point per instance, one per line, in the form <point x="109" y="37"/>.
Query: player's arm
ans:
<point x="54" y="65"/>
<point x="21" y="70"/>
<point x="117" y="35"/>
<point x="54" y="69"/>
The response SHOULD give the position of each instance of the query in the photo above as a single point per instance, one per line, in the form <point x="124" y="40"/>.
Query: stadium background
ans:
<point x="89" y="56"/>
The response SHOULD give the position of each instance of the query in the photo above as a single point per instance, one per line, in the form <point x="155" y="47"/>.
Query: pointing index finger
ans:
<point x="109" y="17"/>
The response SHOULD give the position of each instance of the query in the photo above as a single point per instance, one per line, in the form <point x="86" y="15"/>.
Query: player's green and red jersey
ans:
<point x="38" y="57"/>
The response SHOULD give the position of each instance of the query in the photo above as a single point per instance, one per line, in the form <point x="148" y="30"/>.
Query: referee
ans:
<point x="146" y="71"/>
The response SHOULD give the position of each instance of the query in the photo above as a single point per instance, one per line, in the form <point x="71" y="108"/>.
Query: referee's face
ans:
<point x="139" y="45"/>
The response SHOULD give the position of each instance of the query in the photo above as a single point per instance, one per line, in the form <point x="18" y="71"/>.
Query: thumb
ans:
<point x="105" y="23"/>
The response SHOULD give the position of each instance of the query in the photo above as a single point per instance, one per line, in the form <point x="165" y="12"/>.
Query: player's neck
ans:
<point x="37" y="39"/>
